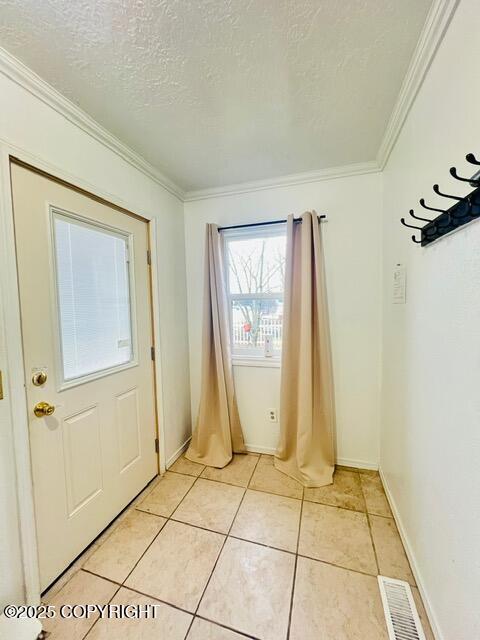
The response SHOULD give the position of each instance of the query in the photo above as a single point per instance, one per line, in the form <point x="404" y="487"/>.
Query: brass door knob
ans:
<point x="43" y="409"/>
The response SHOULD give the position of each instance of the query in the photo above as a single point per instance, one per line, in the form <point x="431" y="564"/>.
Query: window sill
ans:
<point x="269" y="363"/>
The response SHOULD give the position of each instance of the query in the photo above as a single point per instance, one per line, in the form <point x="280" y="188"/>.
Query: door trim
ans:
<point x="15" y="380"/>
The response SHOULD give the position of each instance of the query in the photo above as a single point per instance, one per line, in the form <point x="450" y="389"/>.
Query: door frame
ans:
<point x="14" y="380"/>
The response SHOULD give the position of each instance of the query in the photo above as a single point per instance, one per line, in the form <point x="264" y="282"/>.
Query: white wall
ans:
<point x="353" y="263"/>
<point x="11" y="577"/>
<point x="31" y="125"/>
<point x="430" y="445"/>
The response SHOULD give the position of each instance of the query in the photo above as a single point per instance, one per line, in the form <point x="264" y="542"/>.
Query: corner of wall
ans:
<point x="411" y="558"/>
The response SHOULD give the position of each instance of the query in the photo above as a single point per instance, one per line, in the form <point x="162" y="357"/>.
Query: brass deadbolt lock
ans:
<point x="39" y="378"/>
<point x="43" y="409"/>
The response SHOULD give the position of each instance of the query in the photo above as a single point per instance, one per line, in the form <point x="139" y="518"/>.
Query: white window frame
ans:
<point x="261" y="231"/>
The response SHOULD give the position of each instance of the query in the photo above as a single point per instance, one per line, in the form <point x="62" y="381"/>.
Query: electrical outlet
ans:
<point x="272" y="415"/>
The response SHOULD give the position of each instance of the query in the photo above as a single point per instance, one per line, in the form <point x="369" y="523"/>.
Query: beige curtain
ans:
<point x="306" y="449"/>
<point x="218" y="432"/>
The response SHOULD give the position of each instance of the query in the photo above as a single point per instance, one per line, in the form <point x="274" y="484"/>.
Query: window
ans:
<point x="255" y="263"/>
<point x="93" y="297"/>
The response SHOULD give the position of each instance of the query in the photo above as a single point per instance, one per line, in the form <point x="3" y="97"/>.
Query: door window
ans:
<point x="92" y="272"/>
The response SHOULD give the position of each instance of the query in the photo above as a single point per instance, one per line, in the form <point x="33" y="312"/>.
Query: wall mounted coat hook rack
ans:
<point x="464" y="210"/>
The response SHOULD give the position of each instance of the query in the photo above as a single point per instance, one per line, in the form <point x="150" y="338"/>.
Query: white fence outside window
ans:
<point x="269" y="326"/>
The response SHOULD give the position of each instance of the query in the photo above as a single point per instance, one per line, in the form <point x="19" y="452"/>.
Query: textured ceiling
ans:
<point x="216" y="92"/>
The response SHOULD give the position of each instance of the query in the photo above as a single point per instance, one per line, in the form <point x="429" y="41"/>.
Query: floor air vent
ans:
<point x="401" y="614"/>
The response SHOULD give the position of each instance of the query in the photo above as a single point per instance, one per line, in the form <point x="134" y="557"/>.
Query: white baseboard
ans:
<point x="344" y="462"/>
<point x="358" y="464"/>
<point x="270" y="451"/>
<point x="178" y="452"/>
<point x="411" y="558"/>
<point x="253" y="448"/>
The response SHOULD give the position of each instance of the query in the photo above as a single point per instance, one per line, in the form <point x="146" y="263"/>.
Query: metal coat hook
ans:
<point x="471" y="181"/>
<point x="472" y="159"/>
<point x="416" y="241"/>
<point x="430" y="231"/>
<point x="443" y="226"/>
<point x="410" y="226"/>
<point x="436" y="188"/>
<point x="422" y="202"/>
<point x="412" y="213"/>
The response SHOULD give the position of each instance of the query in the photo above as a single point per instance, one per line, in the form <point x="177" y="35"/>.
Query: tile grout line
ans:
<point x="164" y="602"/>
<point x="290" y="611"/>
<point x="224" y="626"/>
<point x="98" y="575"/>
<point x="377" y="515"/>
<point x="337" y="566"/>
<point x="242" y="486"/>
<point x="271" y="493"/>
<point x="101" y="539"/>
<point x="190" y="524"/>
<point x="140" y="558"/>
<point x="292" y="553"/>
<point x="230" y="484"/>
<point x="147" y="595"/>
<point x="151" y="486"/>
<point x="161" y="529"/>
<point x="369" y="524"/>
<point x="373" y="543"/>
<point x="133" y="507"/>
<point x="228" y="533"/>
<point x="99" y="617"/>
<point x="160" y="601"/>
<point x="335" y="506"/>
<point x="223" y="546"/>
<point x="262" y="544"/>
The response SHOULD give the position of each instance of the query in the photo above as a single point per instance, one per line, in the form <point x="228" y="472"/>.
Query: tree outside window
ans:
<point x="255" y="281"/>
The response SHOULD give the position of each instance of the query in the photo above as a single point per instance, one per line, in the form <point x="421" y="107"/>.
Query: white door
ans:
<point x="86" y="322"/>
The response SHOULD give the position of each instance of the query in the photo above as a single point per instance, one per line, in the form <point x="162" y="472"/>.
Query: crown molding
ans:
<point x="34" y="84"/>
<point x="31" y="82"/>
<point x="439" y="16"/>
<point x="436" y="24"/>
<point x="331" y="173"/>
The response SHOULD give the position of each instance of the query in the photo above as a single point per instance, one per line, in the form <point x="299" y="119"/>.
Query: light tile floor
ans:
<point x="242" y="552"/>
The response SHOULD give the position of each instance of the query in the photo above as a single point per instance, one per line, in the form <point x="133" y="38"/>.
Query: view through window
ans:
<point x="93" y="288"/>
<point x="255" y="282"/>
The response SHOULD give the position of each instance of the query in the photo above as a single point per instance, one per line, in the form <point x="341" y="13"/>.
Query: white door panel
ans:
<point x="82" y="454"/>
<point x="86" y="322"/>
<point x="128" y="428"/>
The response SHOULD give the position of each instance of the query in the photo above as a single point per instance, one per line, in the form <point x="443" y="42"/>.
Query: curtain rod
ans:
<point x="263" y="224"/>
